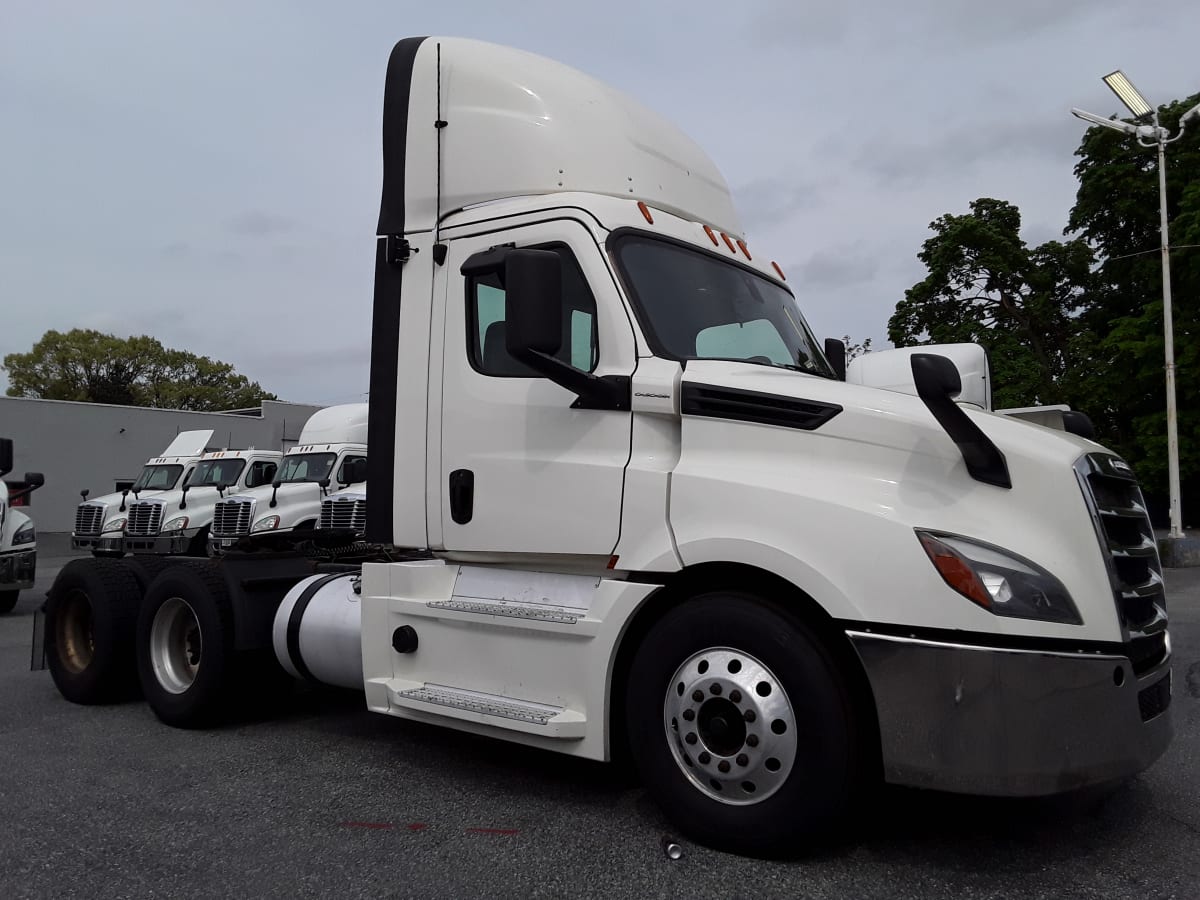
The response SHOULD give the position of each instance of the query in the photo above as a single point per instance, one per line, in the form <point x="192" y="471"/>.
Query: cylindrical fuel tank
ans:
<point x="317" y="631"/>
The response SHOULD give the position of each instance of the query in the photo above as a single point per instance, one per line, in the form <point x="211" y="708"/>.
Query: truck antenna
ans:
<point x="439" y="249"/>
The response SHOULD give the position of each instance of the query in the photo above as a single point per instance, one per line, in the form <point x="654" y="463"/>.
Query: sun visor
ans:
<point x="516" y="124"/>
<point x="188" y="443"/>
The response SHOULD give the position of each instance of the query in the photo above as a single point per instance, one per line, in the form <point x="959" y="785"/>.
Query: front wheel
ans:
<point x="742" y="727"/>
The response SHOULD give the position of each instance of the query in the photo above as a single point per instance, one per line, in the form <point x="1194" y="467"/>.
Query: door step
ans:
<point x="489" y="709"/>
<point x="512" y="610"/>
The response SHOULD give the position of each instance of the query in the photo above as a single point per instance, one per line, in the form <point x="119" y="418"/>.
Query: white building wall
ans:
<point x="93" y="445"/>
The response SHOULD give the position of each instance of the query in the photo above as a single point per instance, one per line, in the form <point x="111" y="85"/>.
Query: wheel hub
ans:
<point x="730" y="726"/>
<point x="74" y="640"/>
<point x="176" y="645"/>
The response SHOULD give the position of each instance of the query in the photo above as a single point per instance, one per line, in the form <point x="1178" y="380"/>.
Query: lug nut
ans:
<point x="723" y="765"/>
<point x="689" y="714"/>
<point x="743" y="759"/>
<point x="752" y="740"/>
<point x="698" y="696"/>
<point x="736" y="696"/>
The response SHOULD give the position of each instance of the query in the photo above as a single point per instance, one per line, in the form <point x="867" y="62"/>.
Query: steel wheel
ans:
<point x="73" y="632"/>
<point x="730" y="726"/>
<point x="176" y="645"/>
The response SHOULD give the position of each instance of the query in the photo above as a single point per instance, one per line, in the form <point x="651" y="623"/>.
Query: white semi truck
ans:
<point x="624" y="505"/>
<point x="177" y="521"/>
<point x="100" y="522"/>
<point x="345" y="511"/>
<point x="18" y="538"/>
<point x="332" y="452"/>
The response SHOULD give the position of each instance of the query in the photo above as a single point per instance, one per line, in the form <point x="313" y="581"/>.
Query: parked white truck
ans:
<point x="100" y="522"/>
<point x="345" y="511"/>
<point x="332" y="451"/>
<point x="18" y="539"/>
<point x="622" y="504"/>
<point x="177" y="521"/>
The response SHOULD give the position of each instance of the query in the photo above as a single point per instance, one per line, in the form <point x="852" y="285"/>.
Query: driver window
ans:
<point x="261" y="472"/>
<point x="485" y="324"/>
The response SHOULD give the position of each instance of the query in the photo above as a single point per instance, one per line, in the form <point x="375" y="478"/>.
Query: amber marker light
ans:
<point x="955" y="571"/>
<point x="778" y="270"/>
<point x="712" y="237"/>
<point x="645" y="212"/>
<point x="742" y="246"/>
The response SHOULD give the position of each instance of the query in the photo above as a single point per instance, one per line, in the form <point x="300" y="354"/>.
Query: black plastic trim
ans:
<point x="754" y="406"/>
<point x="297" y="616"/>
<point x="385" y="315"/>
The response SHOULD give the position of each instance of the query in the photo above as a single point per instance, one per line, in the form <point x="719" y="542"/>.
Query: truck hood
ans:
<point x="114" y="500"/>
<point x="294" y="502"/>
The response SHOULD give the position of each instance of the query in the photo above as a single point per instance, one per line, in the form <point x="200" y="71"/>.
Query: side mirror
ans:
<point x="353" y="471"/>
<point x="6" y="456"/>
<point x="532" y="303"/>
<point x="84" y="494"/>
<point x="276" y="483"/>
<point x="835" y="352"/>
<point x="34" y="480"/>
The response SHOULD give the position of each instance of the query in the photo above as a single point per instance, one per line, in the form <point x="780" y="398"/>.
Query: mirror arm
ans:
<point x="592" y="391"/>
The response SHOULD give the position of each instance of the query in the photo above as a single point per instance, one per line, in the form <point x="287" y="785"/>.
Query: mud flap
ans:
<point x="37" y="655"/>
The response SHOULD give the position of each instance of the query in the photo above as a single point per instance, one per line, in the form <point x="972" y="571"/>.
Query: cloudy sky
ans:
<point x="208" y="173"/>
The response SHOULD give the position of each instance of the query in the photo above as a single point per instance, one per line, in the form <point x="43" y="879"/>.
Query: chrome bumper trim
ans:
<point x="18" y="568"/>
<point x="1007" y="722"/>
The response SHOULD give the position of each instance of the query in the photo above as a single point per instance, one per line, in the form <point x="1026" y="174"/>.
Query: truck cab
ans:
<point x="345" y="511"/>
<point x="177" y="521"/>
<point x="18" y="538"/>
<point x="331" y="453"/>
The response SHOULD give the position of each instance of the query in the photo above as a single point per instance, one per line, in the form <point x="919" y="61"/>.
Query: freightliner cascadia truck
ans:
<point x="18" y="539"/>
<point x="100" y="522"/>
<point x="332" y="450"/>
<point x="623" y="505"/>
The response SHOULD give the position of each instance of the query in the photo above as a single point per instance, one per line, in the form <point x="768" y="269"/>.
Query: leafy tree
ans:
<point x="93" y="367"/>
<point x="1117" y="212"/>
<point x="854" y="350"/>
<point x="986" y="286"/>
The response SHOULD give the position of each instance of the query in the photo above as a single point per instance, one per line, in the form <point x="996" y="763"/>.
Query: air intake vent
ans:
<point x="232" y="518"/>
<point x="145" y="519"/>
<point x="1127" y="538"/>
<point x="344" y="513"/>
<point x="89" y="519"/>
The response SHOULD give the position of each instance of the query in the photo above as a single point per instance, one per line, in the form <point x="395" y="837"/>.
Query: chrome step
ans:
<point x="489" y="709"/>
<point x="512" y="610"/>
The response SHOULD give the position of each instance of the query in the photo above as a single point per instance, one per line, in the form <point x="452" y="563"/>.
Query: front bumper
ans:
<point x="174" y="544"/>
<point x="101" y="544"/>
<point x="985" y="720"/>
<point x="17" y="570"/>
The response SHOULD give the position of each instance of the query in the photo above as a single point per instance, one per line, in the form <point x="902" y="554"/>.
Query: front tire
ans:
<point x="742" y="727"/>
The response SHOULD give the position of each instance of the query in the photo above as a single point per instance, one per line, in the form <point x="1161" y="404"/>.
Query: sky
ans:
<point x="209" y="173"/>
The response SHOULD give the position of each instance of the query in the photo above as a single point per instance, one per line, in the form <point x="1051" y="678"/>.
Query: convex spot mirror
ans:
<point x="891" y="370"/>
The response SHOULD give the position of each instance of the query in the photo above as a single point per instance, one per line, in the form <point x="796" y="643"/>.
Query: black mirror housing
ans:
<point x="34" y="480"/>
<point x="354" y="471"/>
<point x="835" y="352"/>
<point x="6" y="456"/>
<point x="532" y="302"/>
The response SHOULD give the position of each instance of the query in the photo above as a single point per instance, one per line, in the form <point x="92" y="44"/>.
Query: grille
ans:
<point x="145" y="519"/>
<point x="232" y="518"/>
<point x="1128" y="539"/>
<point x="89" y="519"/>
<point x="344" y="513"/>
<point x="1154" y="700"/>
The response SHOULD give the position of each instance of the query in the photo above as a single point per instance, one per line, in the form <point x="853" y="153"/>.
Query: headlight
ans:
<point x="1001" y="582"/>
<point x="267" y="524"/>
<point x="177" y="524"/>
<point x="25" y="535"/>
<point x="117" y="524"/>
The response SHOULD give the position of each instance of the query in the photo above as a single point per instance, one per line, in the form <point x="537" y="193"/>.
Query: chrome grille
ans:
<point x="344" y="513"/>
<point x="89" y="519"/>
<point x="145" y="519"/>
<point x="232" y="518"/>
<point x="1125" y="533"/>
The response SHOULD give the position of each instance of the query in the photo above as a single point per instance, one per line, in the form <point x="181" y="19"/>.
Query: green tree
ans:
<point x="1121" y="353"/>
<point x="986" y="286"/>
<point x="93" y="367"/>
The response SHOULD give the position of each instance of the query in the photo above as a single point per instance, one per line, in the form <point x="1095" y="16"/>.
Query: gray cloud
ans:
<point x="773" y="200"/>
<point x="840" y="267"/>
<point x="256" y="223"/>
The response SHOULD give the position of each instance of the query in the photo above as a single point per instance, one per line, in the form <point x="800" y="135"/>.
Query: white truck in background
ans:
<point x="331" y="452"/>
<point x="345" y="511"/>
<point x="624" y="505"/>
<point x="177" y="521"/>
<point x="100" y="522"/>
<point x="18" y="538"/>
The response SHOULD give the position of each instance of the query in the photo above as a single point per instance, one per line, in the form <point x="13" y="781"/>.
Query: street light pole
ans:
<point x="1141" y="108"/>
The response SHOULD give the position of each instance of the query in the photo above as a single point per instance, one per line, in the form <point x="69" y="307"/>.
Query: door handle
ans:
<point x="462" y="495"/>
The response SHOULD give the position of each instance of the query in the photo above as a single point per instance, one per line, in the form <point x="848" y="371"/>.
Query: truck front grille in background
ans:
<point x="232" y="518"/>
<point x="145" y="519"/>
<point x="1127" y="539"/>
<point x="89" y="519"/>
<point x="344" y="513"/>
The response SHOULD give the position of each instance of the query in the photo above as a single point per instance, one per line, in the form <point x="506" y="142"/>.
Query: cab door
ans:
<point x="521" y="471"/>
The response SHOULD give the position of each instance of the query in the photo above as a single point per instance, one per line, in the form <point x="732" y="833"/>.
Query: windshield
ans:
<point x="693" y="305"/>
<point x="306" y="467"/>
<point x="216" y="471"/>
<point x="157" y="478"/>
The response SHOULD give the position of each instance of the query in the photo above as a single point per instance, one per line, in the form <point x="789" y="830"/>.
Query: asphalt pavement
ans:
<point x="326" y="799"/>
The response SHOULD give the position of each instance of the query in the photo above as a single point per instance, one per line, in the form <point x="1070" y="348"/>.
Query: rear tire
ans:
<point x="186" y="659"/>
<point x="91" y="613"/>
<point x="8" y="601"/>
<point x="742" y="727"/>
<point x="146" y="568"/>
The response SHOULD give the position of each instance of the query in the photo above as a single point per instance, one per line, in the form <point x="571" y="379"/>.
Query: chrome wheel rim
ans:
<point x="730" y="726"/>
<point x="176" y="645"/>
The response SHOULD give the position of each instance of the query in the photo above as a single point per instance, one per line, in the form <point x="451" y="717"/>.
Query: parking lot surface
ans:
<point x="325" y="799"/>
